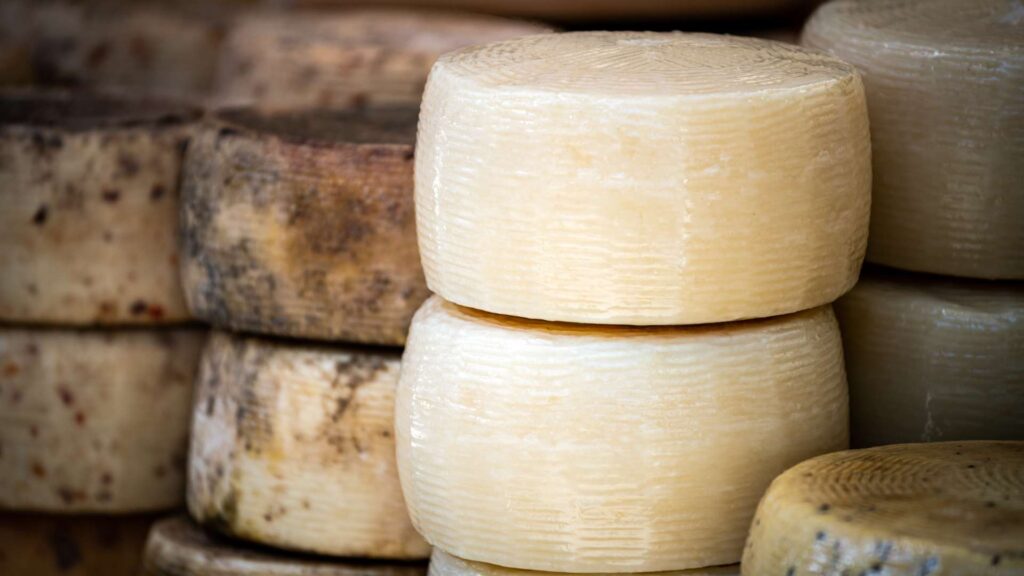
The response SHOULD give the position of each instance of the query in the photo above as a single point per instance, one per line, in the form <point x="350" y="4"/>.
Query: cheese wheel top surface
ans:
<point x="444" y="564"/>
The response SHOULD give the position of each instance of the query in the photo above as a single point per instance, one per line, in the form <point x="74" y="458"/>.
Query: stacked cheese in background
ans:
<point x="580" y="198"/>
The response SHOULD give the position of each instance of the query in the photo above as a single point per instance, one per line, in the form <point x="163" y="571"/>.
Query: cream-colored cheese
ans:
<point x="444" y="564"/>
<point x="582" y="448"/>
<point x="945" y="87"/>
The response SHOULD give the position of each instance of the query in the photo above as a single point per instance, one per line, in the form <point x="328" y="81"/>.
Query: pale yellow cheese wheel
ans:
<point x="444" y="564"/>
<point x="583" y="448"/>
<point x="642" y="178"/>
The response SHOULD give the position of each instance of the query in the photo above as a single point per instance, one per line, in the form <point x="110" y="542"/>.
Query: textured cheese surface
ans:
<point x="938" y="509"/>
<point x="177" y="547"/>
<point x="89" y="190"/>
<point x="444" y="564"/>
<point x="933" y="358"/>
<point x="581" y="448"/>
<point x="95" y="421"/>
<point x="302" y="59"/>
<point x="302" y="224"/>
<point x="292" y="446"/>
<point x="642" y="178"/>
<point x="945" y="87"/>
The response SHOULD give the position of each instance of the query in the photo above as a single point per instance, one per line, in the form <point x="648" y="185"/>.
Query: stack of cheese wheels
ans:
<point x="95" y="370"/>
<point x="934" y="358"/>
<point x="300" y="224"/>
<point x="579" y="198"/>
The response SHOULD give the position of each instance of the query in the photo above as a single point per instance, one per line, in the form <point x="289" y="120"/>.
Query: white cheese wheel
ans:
<point x="934" y="509"/>
<point x="292" y="446"/>
<point x="302" y="224"/>
<point x="95" y="421"/>
<point x="642" y="178"/>
<point x="933" y="358"/>
<point x="945" y="86"/>
<point x="582" y="448"/>
<point x="89" y="190"/>
<point x="177" y="547"/>
<point x="444" y="564"/>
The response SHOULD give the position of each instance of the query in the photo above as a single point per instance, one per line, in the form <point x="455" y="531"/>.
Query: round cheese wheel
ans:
<point x="444" y="564"/>
<point x="933" y="358"/>
<point x="302" y="224"/>
<point x="309" y="58"/>
<point x="292" y="446"/>
<point x="945" y="86"/>
<point x="582" y="448"/>
<point x="642" y="178"/>
<point x="89" y="189"/>
<point x="95" y="421"/>
<point x="177" y="547"/>
<point x="945" y="508"/>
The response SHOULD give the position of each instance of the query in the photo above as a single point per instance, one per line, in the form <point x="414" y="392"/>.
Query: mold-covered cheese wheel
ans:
<point x="582" y="448"/>
<point x="302" y="59"/>
<point x="945" y="88"/>
<point x="89" y="189"/>
<point x="444" y="564"/>
<point x="642" y="178"/>
<point x="292" y="446"/>
<point x="95" y="421"/>
<point x="177" y="547"/>
<point x="933" y="358"/>
<point x="938" y="509"/>
<point x="302" y="224"/>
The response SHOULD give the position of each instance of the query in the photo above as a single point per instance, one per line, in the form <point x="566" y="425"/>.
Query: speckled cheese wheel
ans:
<point x="301" y="224"/>
<point x="945" y="86"/>
<point x="934" y="509"/>
<point x="303" y="59"/>
<point x="292" y="446"/>
<point x="95" y="421"/>
<point x="444" y="564"/>
<point x="642" y="178"/>
<point x="582" y="448"/>
<point x="933" y="358"/>
<point x="177" y="547"/>
<point x="89" y="189"/>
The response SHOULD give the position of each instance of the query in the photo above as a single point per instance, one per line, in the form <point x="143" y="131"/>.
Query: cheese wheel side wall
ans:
<point x="444" y="564"/>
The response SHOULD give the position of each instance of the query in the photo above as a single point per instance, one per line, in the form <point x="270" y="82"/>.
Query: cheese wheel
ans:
<point x="177" y="547"/>
<point x="94" y="421"/>
<point x="301" y="224"/>
<point x="945" y="85"/>
<point x="23" y="23"/>
<point x="89" y="189"/>
<point x="581" y="448"/>
<point x="642" y="178"/>
<point x="302" y="59"/>
<point x="444" y="564"/>
<point x="292" y="446"/>
<point x="946" y="508"/>
<point x="933" y="358"/>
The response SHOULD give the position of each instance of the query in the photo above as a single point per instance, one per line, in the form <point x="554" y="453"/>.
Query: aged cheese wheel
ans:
<point x="933" y="358"/>
<point x="95" y="421"/>
<point x="89" y="189"/>
<point x="301" y="59"/>
<point x="642" y="178"/>
<point x="444" y="564"/>
<point x="177" y="547"/>
<point x="945" y="86"/>
<point x="292" y="446"/>
<point x="302" y="224"/>
<point x="582" y="448"/>
<point x="945" y="508"/>
<point x="23" y="24"/>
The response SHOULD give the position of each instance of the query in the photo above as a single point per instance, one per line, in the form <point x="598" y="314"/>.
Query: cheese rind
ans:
<point x="292" y="446"/>
<point x="945" y="86"/>
<point x="933" y="358"/>
<point x="444" y="564"/>
<point x="95" y="421"/>
<point x="905" y="510"/>
<point x="582" y="448"/>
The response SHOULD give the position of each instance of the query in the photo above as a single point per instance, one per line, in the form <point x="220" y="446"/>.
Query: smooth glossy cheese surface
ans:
<point x="89" y="190"/>
<point x="292" y="446"/>
<point x="945" y="87"/>
<point x="642" y="178"/>
<point x="933" y="358"/>
<point x="941" y="509"/>
<point x="444" y="564"/>
<point x="301" y="224"/>
<point x="95" y="421"/>
<point x="582" y="448"/>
